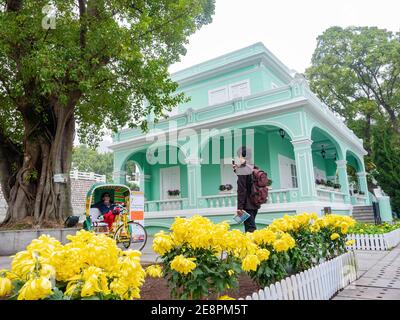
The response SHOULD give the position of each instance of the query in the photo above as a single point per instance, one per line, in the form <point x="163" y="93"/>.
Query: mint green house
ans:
<point x="247" y="96"/>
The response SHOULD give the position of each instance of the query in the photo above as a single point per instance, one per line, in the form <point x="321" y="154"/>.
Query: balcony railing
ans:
<point x="331" y="195"/>
<point x="164" y="205"/>
<point x="358" y="199"/>
<point x="230" y="200"/>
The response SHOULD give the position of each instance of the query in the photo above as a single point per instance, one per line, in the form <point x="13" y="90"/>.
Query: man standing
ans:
<point x="244" y="173"/>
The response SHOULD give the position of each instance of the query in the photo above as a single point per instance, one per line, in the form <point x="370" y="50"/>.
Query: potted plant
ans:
<point x="174" y="193"/>
<point x="322" y="184"/>
<point x="336" y="186"/>
<point x="361" y="193"/>
<point x="225" y="188"/>
<point x="355" y="191"/>
<point x="269" y="183"/>
<point x="329" y="184"/>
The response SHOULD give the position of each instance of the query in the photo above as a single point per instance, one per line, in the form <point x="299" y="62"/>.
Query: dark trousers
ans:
<point x="250" y="222"/>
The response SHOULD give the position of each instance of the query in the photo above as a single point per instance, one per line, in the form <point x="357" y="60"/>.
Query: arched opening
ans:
<point x="354" y="169"/>
<point x="272" y="151"/>
<point x="158" y="173"/>
<point x="325" y="152"/>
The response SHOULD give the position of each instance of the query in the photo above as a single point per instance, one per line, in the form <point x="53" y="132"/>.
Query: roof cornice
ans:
<point x="254" y="54"/>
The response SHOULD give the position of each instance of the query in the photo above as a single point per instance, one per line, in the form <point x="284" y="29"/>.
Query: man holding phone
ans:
<point x="244" y="171"/>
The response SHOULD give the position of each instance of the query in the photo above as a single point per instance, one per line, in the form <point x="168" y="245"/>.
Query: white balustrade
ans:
<point x="164" y="205"/>
<point x="230" y="200"/>
<point x="330" y="195"/>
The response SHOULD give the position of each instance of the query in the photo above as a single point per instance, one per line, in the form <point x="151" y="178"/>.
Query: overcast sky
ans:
<point x="288" y="28"/>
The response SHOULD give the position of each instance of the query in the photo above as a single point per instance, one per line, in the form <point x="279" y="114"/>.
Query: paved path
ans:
<point x="379" y="273"/>
<point x="148" y="256"/>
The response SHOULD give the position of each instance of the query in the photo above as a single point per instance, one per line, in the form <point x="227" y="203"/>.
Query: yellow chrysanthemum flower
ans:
<point x="154" y="271"/>
<point x="334" y="236"/>
<point x="263" y="254"/>
<point x="250" y="263"/>
<point x="183" y="265"/>
<point x="226" y="298"/>
<point x="5" y="287"/>
<point x="35" y="289"/>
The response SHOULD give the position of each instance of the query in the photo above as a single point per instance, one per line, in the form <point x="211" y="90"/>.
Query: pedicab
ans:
<point x="124" y="220"/>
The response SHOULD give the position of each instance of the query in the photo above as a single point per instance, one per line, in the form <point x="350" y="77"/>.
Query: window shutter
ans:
<point x="218" y="96"/>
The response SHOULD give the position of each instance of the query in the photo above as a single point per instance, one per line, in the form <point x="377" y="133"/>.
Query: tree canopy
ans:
<point x="102" y="64"/>
<point x="89" y="160"/>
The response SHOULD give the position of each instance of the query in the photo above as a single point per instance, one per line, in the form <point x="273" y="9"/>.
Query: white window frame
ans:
<point x="247" y="82"/>
<point x="291" y="163"/>
<point x="210" y="93"/>
<point x="224" y="163"/>
<point x="164" y="196"/>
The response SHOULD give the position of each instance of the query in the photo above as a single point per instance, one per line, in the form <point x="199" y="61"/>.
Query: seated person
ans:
<point x="106" y="207"/>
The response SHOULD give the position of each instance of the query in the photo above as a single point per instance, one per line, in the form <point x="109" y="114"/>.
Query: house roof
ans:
<point x="255" y="53"/>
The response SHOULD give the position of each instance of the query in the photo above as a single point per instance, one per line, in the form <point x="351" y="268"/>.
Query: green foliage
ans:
<point x="89" y="160"/>
<point x="209" y="277"/>
<point x="355" y="71"/>
<point x="366" y="228"/>
<point x="103" y="60"/>
<point x="386" y="156"/>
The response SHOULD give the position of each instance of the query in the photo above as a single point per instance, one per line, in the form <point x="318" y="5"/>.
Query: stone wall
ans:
<point x="79" y="188"/>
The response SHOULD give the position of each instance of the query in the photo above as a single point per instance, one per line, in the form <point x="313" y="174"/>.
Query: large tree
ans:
<point x="95" y="66"/>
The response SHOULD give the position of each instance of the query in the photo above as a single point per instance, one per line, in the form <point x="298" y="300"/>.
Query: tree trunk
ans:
<point x="47" y="151"/>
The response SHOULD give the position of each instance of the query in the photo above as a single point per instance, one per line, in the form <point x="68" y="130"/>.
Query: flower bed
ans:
<point x="318" y="283"/>
<point x="374" y="237"/>
<point x="202" y="259"/>
<point x="199" y="260"/>
<point x="89" y="267"/>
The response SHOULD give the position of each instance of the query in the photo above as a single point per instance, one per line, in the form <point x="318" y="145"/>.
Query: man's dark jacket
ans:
<point x="244" y="174"/>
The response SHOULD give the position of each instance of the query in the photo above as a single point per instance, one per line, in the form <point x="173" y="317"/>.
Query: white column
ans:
<point x="194" y="181"/>
<point x="343" y="178"/>
<point x="305" y="169"/>
<point x="119" y="177"/>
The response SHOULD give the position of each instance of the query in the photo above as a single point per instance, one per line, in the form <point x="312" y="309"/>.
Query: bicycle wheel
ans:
<point x="134" y="238"/>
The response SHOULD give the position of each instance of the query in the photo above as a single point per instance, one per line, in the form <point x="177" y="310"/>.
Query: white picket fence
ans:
<point x="384" y="241"/>
<point x="318" y="283"/>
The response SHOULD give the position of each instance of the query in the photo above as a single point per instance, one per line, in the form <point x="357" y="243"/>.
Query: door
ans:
<point x="287" y="172"/>
<point x="169" y="180"/>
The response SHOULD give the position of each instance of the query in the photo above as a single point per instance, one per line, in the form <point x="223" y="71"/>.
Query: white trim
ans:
<point x="231" y="85"/>
<point x="274" y="85"/>
<point x="269" y="109"/>
<point x="162" y="172"/>
<point x="212" y="91"/>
